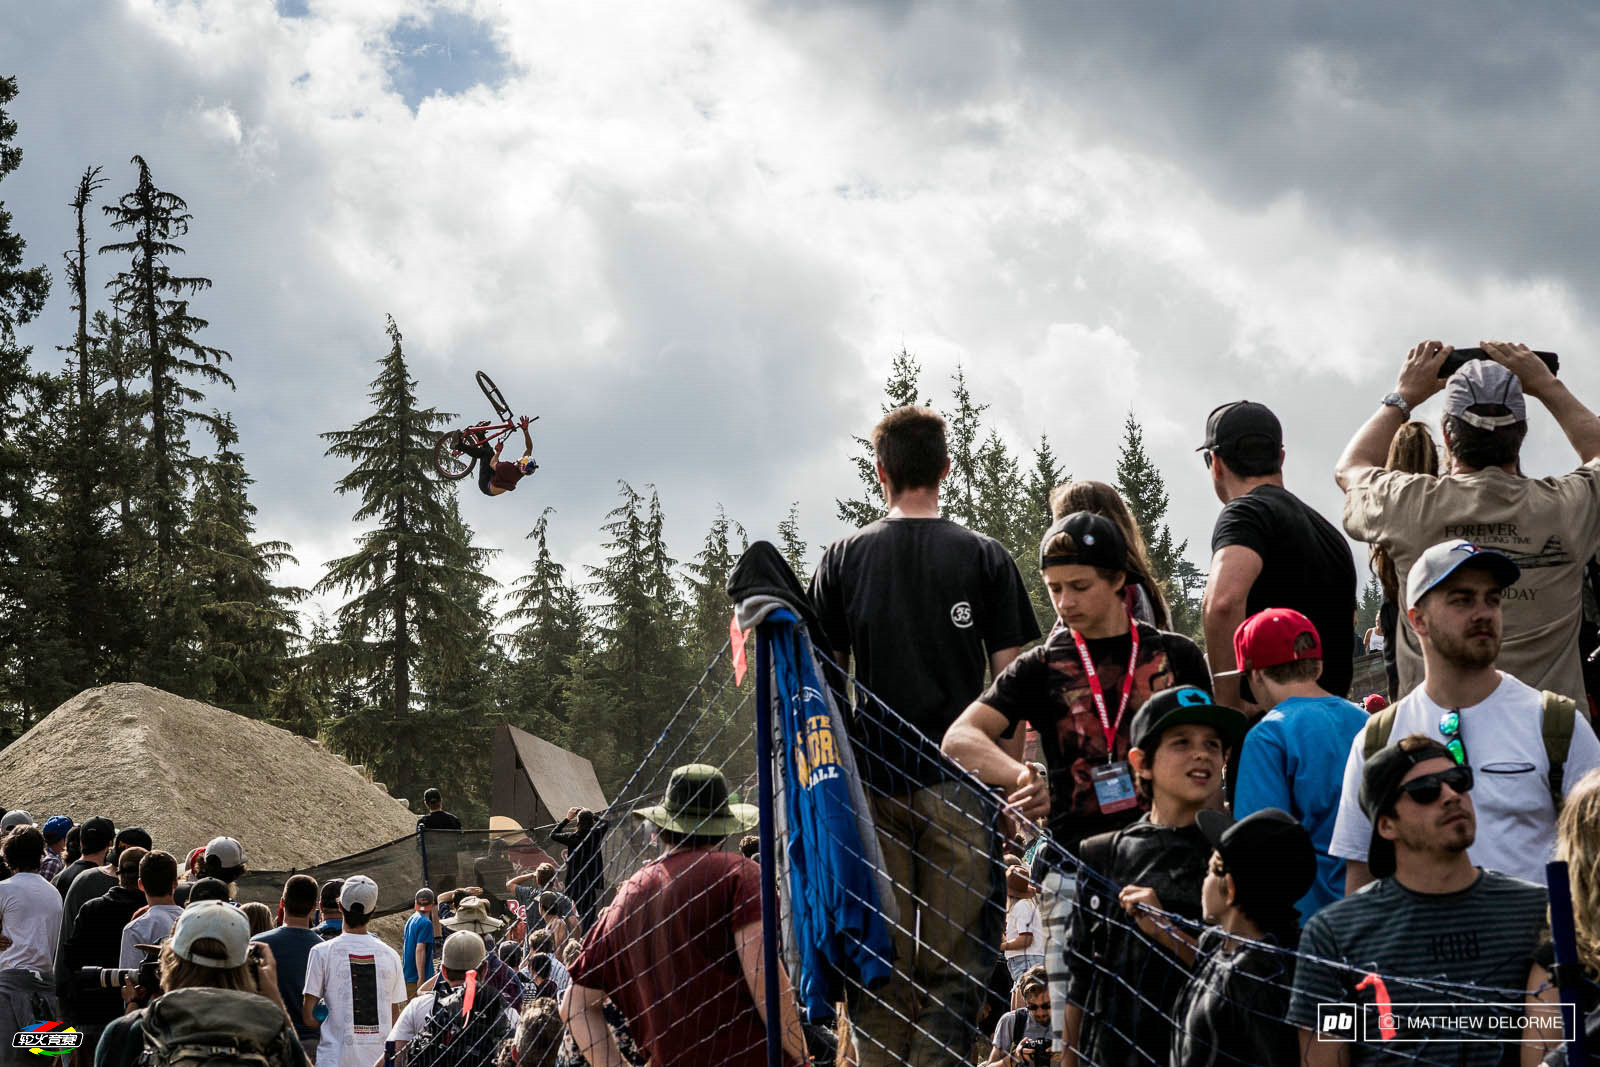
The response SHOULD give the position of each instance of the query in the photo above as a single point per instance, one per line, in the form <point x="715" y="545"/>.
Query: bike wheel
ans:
<point x="449" y="460"/>
<point x="497" y="401"/>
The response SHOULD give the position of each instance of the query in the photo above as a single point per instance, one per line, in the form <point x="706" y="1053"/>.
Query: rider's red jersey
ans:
<point x="506" y="476"/>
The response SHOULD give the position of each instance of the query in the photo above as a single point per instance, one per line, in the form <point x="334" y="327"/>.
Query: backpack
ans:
<point x="452" y="1038"/>
<point x="1558" y="716"/>
<point x="217" y="1028"/>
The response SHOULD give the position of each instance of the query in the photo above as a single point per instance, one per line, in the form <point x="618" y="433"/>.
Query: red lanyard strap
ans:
<point x="1099" y="694"/>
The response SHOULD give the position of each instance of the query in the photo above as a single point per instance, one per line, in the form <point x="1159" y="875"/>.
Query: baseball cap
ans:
<point x="1447" y="557"/>
<point x="424" y="896"/>
<point x="359" y="891"/>
<point x="15" y="818"/>
<point x="1380" y="787"/>
<point x="97" y="834"/>
<point x="1243" y="428"/>
<point x="55" y="827"/>
<point x="216" y="920"/>
<point x="1095" y="542"/>
<point x="1179" y="706"/>
<point x="1374" y="703"/>
<point x="226" y="851"/>
<point x="1267" y="639"/>
<point x="463" y="951"/>
<point x="1269" y="854"/>
<point x="1482" y="382"/>
<point x="134" y="837"/>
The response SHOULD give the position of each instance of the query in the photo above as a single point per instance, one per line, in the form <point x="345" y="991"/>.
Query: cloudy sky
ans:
<point x="692" y="235"/>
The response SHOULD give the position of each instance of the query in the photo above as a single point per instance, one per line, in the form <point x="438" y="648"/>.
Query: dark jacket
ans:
<point x="96" y="941"/>
<point x="585" y="874"/>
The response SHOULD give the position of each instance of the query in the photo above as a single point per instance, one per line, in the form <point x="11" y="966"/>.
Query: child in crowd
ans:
<point x="1234" y="1008"/>
<point x="1126" y="969"/>
<point x="1024" y="941"/>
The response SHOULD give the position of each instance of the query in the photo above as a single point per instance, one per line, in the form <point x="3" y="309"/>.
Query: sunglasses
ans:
<point x="1045" y="1007"/>
<point x="1450" y="727"/>
<point x="1428" y="788"/>
<point x="1205" y="457"/>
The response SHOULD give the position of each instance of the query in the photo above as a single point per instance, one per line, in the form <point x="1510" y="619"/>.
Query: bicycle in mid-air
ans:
<point x="451" y="456"/>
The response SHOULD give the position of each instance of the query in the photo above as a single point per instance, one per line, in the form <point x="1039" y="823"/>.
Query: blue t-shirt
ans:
<point x="1294" y="759"/>
<point x="290" y="947"/>
<point x="419" y="931"/>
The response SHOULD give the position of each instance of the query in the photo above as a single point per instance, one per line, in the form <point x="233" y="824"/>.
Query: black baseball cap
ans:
<point x="1179" y="706"/>
<point x="1380" y="788"/>
<point x="97" y="833"/>
<point x="1095" y="541"/>
<point x="1243" y="428"/>
<point x="1269" y="854"/>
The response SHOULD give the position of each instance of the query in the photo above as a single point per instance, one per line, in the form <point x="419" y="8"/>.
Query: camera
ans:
<point x="1454" y="360"/>
<point x="1035" y="1050"/>
<point x="147" y="976"/>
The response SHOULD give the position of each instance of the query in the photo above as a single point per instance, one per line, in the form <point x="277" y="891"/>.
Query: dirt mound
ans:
<point x="186" y="772"/>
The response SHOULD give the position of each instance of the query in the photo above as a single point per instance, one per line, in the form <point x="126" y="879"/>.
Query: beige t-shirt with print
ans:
<point x="1549" y="526"/>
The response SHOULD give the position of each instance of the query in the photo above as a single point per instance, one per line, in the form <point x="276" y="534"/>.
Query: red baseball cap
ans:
<point x="1267" y="639"/>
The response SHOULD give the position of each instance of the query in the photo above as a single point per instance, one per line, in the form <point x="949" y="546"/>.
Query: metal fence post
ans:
<point x="1569" y="971"/>
<point x="769" y="866"/>
<point x="422" y="847"/>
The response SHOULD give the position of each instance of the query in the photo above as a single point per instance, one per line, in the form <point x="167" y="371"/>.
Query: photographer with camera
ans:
<point x="30" y="915"/>
<point x="91" y="996"/>
<point x="1548" y="526"/>
<point x="1023" y="1036"/>
<point x="219" y="1002"/>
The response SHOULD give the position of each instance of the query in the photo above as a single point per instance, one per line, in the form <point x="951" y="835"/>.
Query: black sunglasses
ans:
<point x="1205" y="457"/>
<point x="1427" y="789"/>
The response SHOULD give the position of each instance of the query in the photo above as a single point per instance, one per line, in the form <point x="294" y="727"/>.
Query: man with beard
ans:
<point x="1485" y="718"/>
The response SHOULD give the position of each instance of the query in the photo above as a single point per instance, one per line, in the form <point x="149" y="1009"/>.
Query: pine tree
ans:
<point x="415" y="582"/>
<point x="901" y="389"/>
<point x="1040" y="480"/>
<point x="634" y="673"/>
<point x="1371" y="602"/>
<point x="246" y="621"/>
<point x="23" y="290"/>
<point x="1145" y="492"/>
<point x="553" y="628"/>
<point x="792" y="545"/>
<point x="1043" y="477"/>
<point x="710" y="610"/>
<point x="154" y="298"/>
<point x="958" y="499"/>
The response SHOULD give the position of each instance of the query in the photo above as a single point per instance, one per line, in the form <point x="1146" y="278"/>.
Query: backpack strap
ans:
<point x="1376" y="733"/>
<point x="1019" y="1027"/>
<point x="1555" y="723"/>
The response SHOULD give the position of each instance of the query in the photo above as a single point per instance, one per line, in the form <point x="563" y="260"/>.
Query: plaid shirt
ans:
<point x="50" y="866"/>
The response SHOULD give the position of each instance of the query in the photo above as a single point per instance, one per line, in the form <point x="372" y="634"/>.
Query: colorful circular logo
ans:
<point x="51" y="1039"/>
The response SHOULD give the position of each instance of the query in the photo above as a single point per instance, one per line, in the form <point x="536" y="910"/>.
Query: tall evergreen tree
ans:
<point x="247" y="622"/>
<point x="901" y="389"/>
<point x="1371" y="601"/>
<point x="154" y="297"/>
<point x="792" y="545"/>
<point x="553" y="628"/>
<point x="709" y="608"/>
<point x="23" y="290"/>
<point x="409" y="580"/>
<point x="958" y="499"/>
<point x="1145" y="492"/>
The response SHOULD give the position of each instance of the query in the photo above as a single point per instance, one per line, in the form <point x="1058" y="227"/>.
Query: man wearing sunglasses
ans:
<point x="1432" y="912"/>
<point x="1485" y="718"/>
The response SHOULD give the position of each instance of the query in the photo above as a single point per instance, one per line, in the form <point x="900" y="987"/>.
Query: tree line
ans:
<point x="129" y="549"/>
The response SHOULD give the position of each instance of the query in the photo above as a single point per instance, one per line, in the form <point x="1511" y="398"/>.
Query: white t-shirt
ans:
<point x="1510" y="777"/>
<point x="359" y="979"/>
<point x="415" y="1017"/>
<point x="32" y="920"/>
<point x="1022" y="917"/>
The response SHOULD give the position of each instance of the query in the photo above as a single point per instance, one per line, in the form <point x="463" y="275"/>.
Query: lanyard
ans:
<point x="1099" y="693"/>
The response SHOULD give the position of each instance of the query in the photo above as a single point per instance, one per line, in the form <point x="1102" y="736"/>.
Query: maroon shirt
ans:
<point x="506" y="475"/>
<point x="666" y="955"/>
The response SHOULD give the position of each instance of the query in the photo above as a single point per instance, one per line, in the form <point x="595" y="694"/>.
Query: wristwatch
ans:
<point x="1395" y="400"/>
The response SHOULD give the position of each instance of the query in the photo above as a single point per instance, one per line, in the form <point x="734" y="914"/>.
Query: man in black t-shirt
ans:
<point x="924" y="606"/>
<point x="1270" y="550"/>
<point x="1083" y="719"/>
<point x="437" y="818"/>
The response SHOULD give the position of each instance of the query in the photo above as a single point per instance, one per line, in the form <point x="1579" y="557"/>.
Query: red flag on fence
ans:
<point x="736" y="638"/>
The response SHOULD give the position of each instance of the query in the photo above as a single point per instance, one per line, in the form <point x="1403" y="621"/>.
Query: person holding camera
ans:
<point x="30" y="916"/>
<point x="1023" y="1036"/>
<point x="1548" y="526"/>
<point x="218" y="1000"/>
<point x="96" y="944"/>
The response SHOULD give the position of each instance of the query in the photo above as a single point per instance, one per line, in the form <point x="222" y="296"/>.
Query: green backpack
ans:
<point x="1560" y="714"/>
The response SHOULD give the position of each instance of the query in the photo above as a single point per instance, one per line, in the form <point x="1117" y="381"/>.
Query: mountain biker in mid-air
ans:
<point x="496" y="476"/>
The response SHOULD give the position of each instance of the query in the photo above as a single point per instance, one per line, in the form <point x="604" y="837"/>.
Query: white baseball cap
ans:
<point x="226" y="851"/>
<point x="1447" y="557"/>
<point x="217" y="920"/>
<point x="359" y="892"/>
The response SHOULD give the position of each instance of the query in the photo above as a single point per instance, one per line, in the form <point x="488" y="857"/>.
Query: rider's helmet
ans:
<point x="527" y="465"/>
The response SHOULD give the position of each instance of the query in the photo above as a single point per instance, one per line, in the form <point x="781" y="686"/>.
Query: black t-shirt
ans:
<point x="1046" y="687"/>
<point x="1232" y="1011"/>
<point x="439" y="820"/>
<point x="919" y="604"/>
<point x="1305" y="565"/>
<point x="1107" y="953"/>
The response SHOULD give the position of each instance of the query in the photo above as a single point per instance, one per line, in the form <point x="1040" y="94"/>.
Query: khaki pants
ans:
<point x="941" y="851"/>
